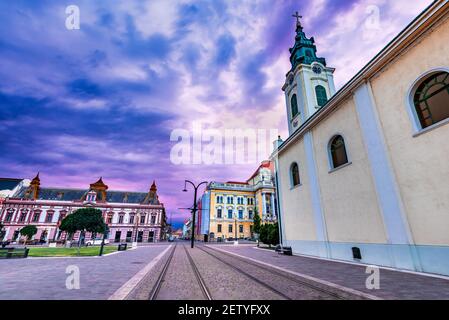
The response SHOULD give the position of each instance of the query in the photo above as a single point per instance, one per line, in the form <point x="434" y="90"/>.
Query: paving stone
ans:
<point x="393" y="284"/>
<point x="46" y="278"/>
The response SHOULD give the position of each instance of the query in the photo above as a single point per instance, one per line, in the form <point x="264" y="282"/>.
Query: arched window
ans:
<point x="431" y="99"/>
<point x="294" y="106"/>
<point x="337" y="150"/>
<point x="294" y="175"/>
<point x="321" y="96"/>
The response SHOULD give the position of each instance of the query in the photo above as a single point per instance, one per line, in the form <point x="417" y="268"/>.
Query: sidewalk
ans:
<point x="393" y="284"/>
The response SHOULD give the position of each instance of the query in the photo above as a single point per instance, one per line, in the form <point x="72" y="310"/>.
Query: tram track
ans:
<point x="316" y="288"/>
<point x="162" y="278"/>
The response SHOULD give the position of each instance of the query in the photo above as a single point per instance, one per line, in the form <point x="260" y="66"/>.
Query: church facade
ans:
<point x="364" y="173"/>
<point x="131" y="216"/>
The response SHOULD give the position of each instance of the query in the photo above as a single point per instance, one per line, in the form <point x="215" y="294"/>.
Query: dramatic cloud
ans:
<point x="103" y="100"/>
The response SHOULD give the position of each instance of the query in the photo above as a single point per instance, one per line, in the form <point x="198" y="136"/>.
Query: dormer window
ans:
<point x="91" y="196"/>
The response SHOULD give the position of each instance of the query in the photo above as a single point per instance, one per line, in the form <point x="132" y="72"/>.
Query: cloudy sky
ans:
<point x="103" y="100"/>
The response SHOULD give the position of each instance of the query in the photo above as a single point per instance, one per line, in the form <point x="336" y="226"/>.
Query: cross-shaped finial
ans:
<point x="297" y="16"/>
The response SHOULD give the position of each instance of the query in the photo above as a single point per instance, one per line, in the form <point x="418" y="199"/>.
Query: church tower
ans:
<point x="309" y="83"/>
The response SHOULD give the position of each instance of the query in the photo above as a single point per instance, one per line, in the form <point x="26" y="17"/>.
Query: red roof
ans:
<point x="265" y="164"/>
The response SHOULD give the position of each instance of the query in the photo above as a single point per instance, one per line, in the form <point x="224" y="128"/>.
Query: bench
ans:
<point x="10" y="253"/>
<point x="284" y="250"/>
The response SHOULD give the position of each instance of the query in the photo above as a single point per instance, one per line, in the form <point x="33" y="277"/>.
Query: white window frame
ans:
<point x="410" y="104"/>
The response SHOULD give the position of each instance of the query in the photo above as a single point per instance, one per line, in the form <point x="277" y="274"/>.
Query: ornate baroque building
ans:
<point x="363" y="175"/>
<point x="131" y="216"/>
<point x="227" y="209"/>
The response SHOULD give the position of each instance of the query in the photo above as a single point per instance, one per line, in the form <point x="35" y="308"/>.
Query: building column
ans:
<point x="315" y="192"/>
<point x="279" y="197"/>
<point x="389" y="199"/>
<point x="264" y="206"/>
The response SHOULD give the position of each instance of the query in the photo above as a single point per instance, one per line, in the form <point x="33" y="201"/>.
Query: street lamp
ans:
<point x="195" y="208"/>
<point x="105" y="234"/>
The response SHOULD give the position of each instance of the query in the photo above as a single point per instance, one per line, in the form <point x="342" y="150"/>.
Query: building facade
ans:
<point x="131" y="216"/>
<point x="228" y="209"/>
<point x="364" y="174"/>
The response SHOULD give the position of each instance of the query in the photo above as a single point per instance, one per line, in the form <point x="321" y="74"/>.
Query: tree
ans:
<point x="273" y="235"/>
<point x="83" y="220"/>
<point x="269" y="234"/>
<point x="28" y="231"/>
<point x="264" y="230"/>
<point x="1" y="231"/>
<point x="256" y="222"/>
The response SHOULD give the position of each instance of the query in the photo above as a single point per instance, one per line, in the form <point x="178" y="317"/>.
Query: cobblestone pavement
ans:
<point x="227" y="278"/>
<point x="222" y="282"/>
<point x="287" y="285"/>
<point x="393" y="284"/>
<point x="45" y="278"/>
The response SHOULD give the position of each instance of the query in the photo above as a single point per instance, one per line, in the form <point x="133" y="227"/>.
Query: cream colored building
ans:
<point x="367" y="168"/>
<point x="228" y="209"/>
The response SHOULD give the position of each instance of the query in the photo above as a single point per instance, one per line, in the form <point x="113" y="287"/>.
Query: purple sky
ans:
<point x="103" y="100"/>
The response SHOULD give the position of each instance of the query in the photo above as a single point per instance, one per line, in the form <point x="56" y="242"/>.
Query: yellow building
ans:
<point x="363" y="175"/>
<point x="228" y="209"/>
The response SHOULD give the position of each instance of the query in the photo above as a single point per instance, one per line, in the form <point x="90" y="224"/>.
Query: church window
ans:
<point x="337" y="150"/>
<point x="23" y="216"/>
<point x="142" y="219"/>
<point x="321" y="96"/>
<point x="219" y="213"/>
<point x="294" y="106"/>
<point x="230" y="214"/>
<point x="120" y="219"/>
<point x="294" y="175"/>
<point x="431" y="99"/>
<point x="131" y="219"/>
<point x="153" y="219"/>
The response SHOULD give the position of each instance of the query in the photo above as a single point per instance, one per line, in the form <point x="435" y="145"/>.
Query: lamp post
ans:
<point x="195" y="208"/>
<point x="136" y="228"/>
<point x="235" y="221"/>
<point x="105" y="234"/>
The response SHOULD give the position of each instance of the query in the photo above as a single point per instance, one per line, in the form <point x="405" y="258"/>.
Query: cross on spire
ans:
<point x="298" y="17"/>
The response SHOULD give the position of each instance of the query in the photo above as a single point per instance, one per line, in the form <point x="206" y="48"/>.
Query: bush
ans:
<point x="269" y="234"/>
<point x="274" y="235"/>
<point x="264" y="231"/>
